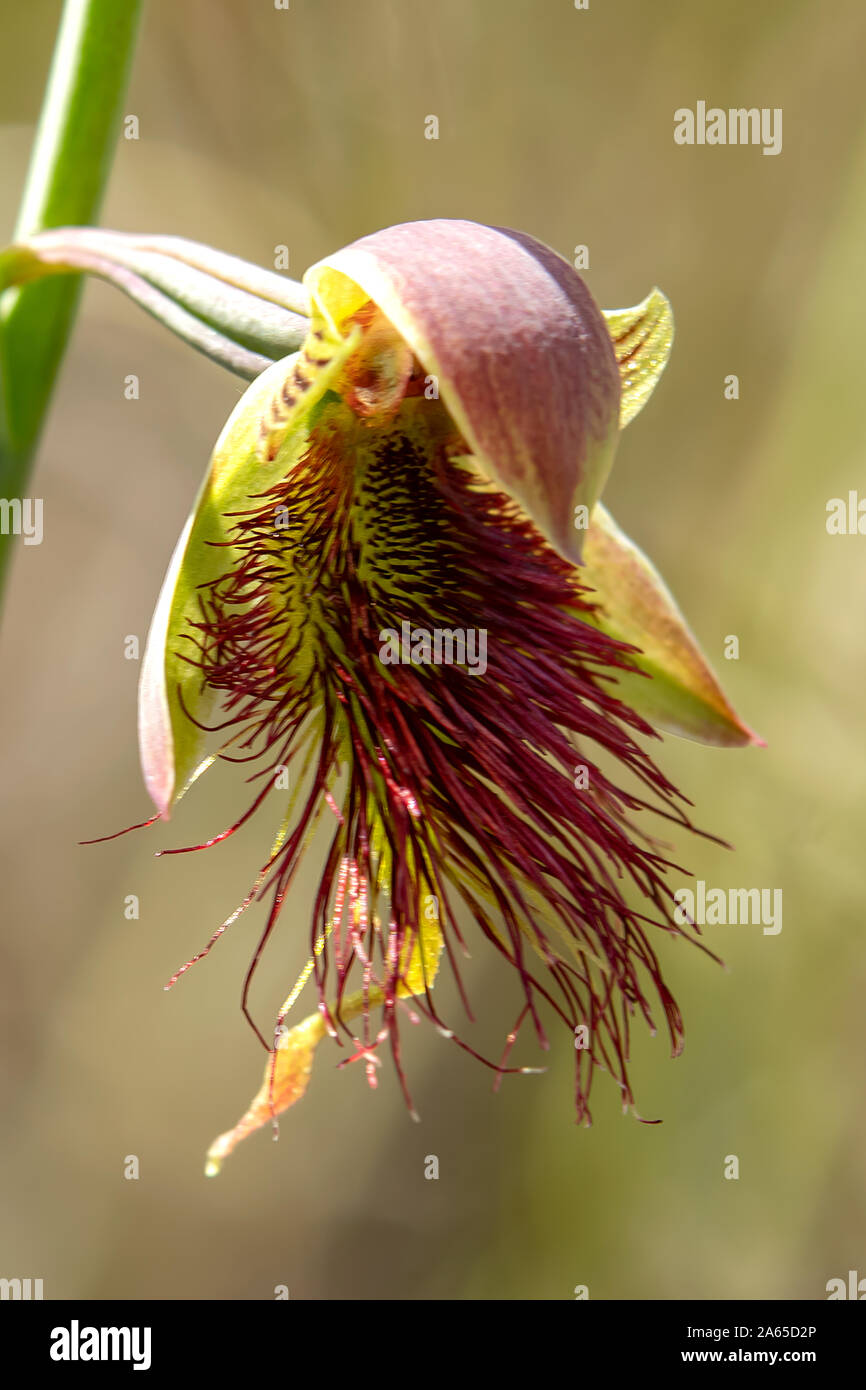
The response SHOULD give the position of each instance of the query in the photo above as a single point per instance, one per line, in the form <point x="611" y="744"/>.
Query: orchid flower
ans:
<point x="426" y="467"/>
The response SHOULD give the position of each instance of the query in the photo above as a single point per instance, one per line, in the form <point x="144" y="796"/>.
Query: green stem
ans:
<point x="66" y="179"/>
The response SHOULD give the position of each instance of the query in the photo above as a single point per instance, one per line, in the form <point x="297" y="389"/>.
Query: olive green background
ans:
<point x="306" y="127"/>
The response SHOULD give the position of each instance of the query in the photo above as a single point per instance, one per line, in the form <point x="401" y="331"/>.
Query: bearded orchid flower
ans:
<point x="423" y="473"/>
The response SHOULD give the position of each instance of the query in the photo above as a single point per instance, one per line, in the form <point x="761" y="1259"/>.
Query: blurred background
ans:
<point x="305" y="127"/>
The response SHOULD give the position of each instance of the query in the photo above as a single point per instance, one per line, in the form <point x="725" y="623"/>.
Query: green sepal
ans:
<point x="635" y="605"/>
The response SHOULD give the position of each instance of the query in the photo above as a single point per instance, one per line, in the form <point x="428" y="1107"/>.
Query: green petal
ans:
<point x="642" y="340"/>
<point x="263" y="438"/>
<point x="635" y="606"/>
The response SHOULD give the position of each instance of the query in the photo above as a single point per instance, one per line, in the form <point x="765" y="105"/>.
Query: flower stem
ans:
<point x="65" y="182"/>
